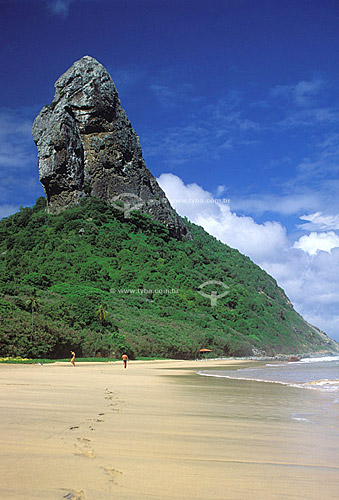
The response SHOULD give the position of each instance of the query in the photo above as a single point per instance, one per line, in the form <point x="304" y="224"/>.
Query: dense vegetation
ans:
<point x="89" y="280"/>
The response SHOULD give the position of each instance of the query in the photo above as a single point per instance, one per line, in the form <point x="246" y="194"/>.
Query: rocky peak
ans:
<point x="87" y="147"/>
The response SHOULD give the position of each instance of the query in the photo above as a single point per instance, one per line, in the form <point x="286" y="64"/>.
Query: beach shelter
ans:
<point x="205" y="351"/>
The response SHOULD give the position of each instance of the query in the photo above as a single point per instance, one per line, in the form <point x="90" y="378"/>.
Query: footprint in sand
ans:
<point x="115" y="410"/>
<point x="84" y="452"/>
<point x="95" y="420"/>
<point x="110" y="395"/>
<point x="75" y="495"/>
<point x="87" y="454"/>
<point x="112" y="473"/>
<point x="84" y="440"/>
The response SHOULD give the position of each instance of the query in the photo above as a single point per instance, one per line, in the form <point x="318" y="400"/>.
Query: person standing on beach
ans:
<point x="73" y="358"/>
<point x="124" y="357"/>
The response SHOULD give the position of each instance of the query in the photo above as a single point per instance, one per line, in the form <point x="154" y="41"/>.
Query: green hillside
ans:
<point x="90" y="280"/>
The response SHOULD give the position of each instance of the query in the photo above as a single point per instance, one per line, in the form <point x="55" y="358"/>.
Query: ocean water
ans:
<point x="321" y="374"/>
<point x="313" y="398"/>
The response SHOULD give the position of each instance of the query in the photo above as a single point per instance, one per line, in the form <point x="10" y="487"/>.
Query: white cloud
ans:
<point x="315" y="242"/>
<point x="190" y="200"/>
<point x="257" y="240"/>
<point x="310" y="277"/>
<point x="319" y="221"/>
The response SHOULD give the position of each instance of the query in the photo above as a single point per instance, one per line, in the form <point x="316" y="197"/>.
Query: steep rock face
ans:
<point x="87" y="147"/>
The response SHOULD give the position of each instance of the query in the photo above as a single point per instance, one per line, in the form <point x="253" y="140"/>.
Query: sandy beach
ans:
<point x="160" y="431"/>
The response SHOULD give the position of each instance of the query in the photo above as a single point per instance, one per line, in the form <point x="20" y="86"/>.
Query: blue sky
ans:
<point x="236" y="105"/>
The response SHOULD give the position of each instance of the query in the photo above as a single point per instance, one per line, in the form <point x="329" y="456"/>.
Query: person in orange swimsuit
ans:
<point x="124" y="357"/>
<point x="73" y="358"/>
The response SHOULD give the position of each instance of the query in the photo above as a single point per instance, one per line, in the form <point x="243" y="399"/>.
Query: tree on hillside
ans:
<point x="101" y="314"/>
<point x="33" y="304"/>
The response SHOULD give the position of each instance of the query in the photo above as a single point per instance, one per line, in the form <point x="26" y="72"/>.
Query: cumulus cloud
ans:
<point x="241" y="232"/>
<point x="307" y="269"/>
<point x="315" y="242"/>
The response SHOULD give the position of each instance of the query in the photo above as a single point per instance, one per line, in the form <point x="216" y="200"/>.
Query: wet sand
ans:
<point x="159" y="431"/>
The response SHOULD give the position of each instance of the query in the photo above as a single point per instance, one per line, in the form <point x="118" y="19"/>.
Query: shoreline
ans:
<point x="276" y="357"/>
<point x="159" y="431"/>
